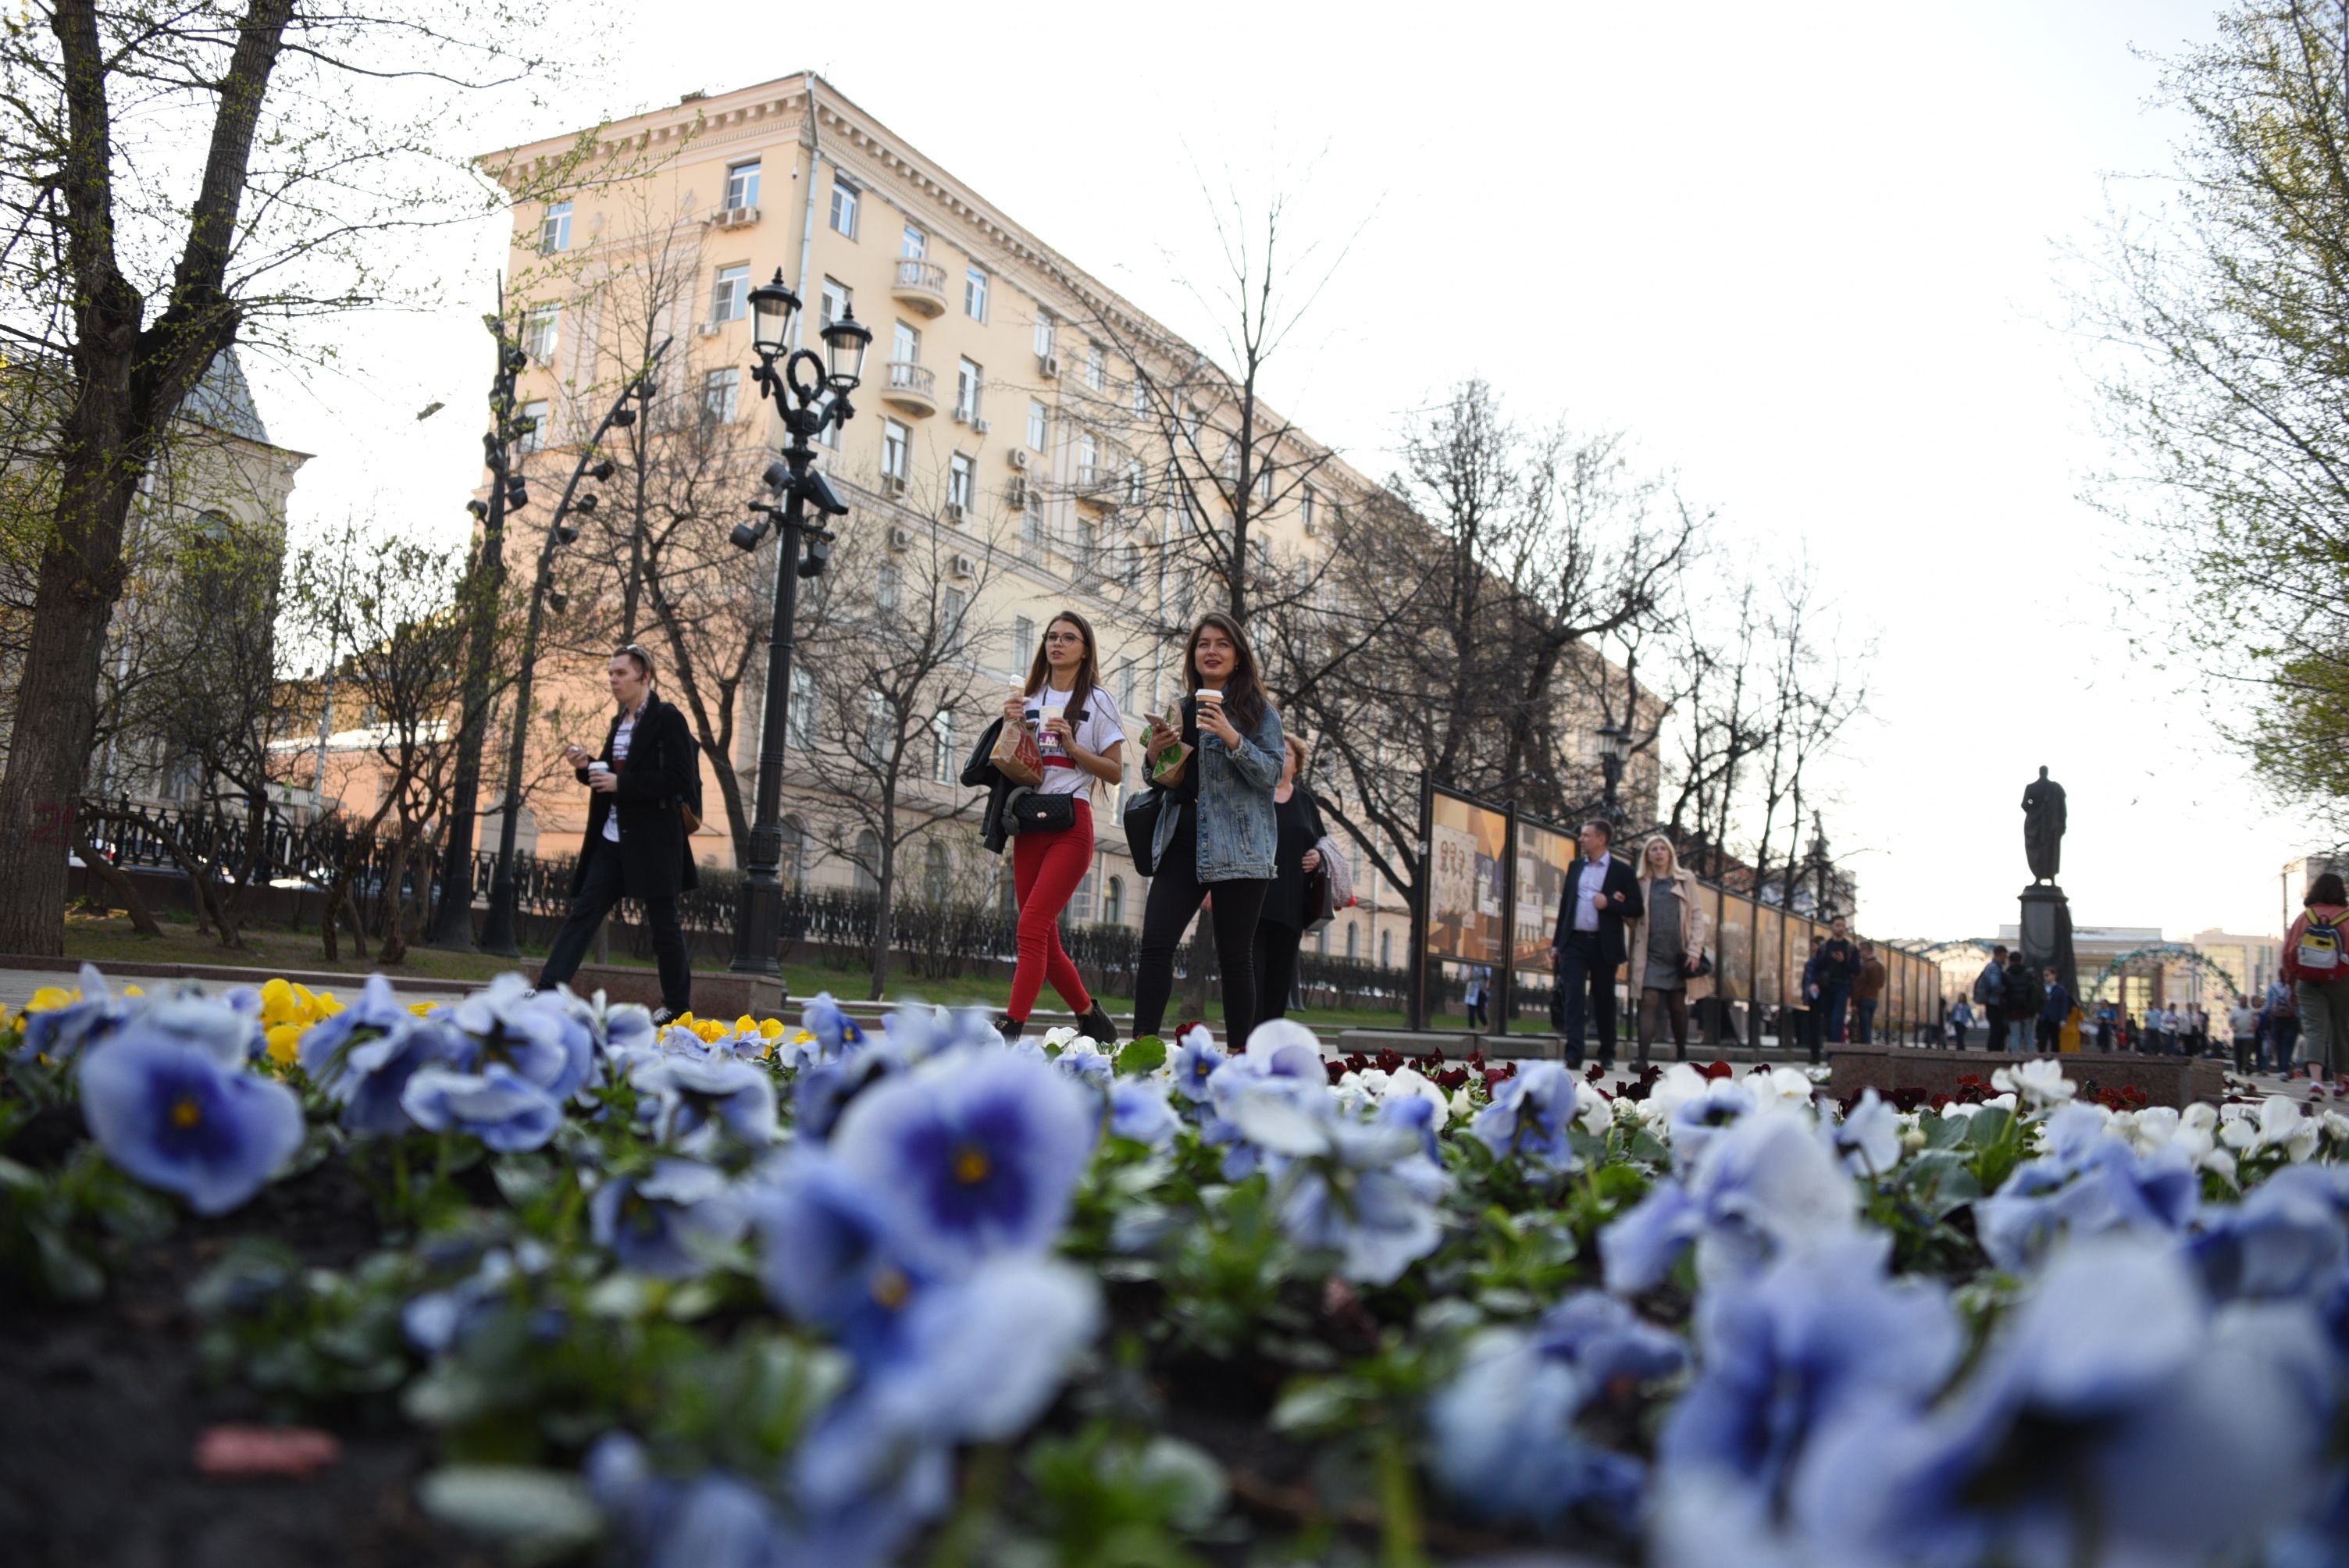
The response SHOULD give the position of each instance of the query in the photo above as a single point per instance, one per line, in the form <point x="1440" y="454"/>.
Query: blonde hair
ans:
<point x="1672" y="856"/>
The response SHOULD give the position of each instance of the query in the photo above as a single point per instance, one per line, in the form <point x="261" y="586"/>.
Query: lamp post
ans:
<point x="498" y="930"/>
<point x="453" y="920"/>
<point x="810" y="393"/>
<point x="1614" y="750"/>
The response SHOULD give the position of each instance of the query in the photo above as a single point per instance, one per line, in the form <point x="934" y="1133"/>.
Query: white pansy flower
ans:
<point x="1463" y="1102"/>
<point x="1594" y="1113"/>
<point x="1789" y="1084"/>
<point x="1409" y="1082"/>
<point x="1680" y="1084"/>
<point x="2281" y="1126"/>
<point x="1059" y="1038"/>
<point x="2040" y="1081"/>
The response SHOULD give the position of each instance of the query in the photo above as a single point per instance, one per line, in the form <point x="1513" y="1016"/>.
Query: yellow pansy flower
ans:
<point x="283" y="1038"/>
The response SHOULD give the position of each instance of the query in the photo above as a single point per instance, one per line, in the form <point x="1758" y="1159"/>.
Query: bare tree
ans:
<point x="1813" y="697"/>
<point x="894" y="636"/>
<point x="135" y="261"/>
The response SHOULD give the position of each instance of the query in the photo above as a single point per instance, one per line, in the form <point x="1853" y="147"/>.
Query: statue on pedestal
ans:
<point x="2043" y="827"/>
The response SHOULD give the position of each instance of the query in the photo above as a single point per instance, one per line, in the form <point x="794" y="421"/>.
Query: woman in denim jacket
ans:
<point x="1217" y="830"/>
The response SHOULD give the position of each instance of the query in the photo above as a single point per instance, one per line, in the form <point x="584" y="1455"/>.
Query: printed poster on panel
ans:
<point x="1543" y="857"/>
<point x="1464" y="887"/>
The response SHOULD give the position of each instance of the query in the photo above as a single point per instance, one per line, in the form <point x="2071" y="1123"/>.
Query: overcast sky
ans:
<point x="1811" y="256"/>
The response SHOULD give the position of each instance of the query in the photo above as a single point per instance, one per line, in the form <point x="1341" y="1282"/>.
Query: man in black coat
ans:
<point x="648" y="773"/>
<point x="1601" y="893"/>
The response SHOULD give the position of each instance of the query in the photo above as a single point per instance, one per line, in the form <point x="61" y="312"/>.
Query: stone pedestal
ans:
<point x="2046" y="927"/>
<point x="2177" y="1081"/>
<point x="720" y="995"/>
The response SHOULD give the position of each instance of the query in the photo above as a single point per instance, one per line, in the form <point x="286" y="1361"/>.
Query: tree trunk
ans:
<point x="883" y="921"/>
<point x="141" y="920"/>
<point x="395" y="908"/>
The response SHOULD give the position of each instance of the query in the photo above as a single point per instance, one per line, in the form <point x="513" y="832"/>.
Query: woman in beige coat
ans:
<point x="1665" y="944"/>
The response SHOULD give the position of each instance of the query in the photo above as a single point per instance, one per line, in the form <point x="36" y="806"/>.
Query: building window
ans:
<point x="1304" y="511"/>
<point x="743" y="185"/>
<point x="880" y="726"/>
<point x="916" y="245"/>
<point x="1043" y="335"/>
<point x="1386" y="949"/>
<point x="937" y="870"/>
<point x="1088" y="458"/>
<point x="1321" y="942"/>
<point x="843" y="207"/>
<point x="795" y="853"/>
<point x="968" y="381"/>
<point x="1133" y="481"/>
<point x="887" y="584"/>
<point x="1263" y="483"/>
<point x="906" y="345"/>
<point x="866" y="872"/>
<point x="1039" y="422"/>
<point x="834" y="302"/>
<point x="1023" y="645"/>
<point x="554" y="233"/>
<point x="800" y="729"/>
<point x="942" y="767"/>
<point x="729" y="294"/>
<point x="1031" y="520"/>
<point x="1125" y="686"/>
<point x="893" y="449"/>
<point x="1140" y="400"/>
<point x="958" y="606"/>
<point x="531" y="422"/>
<point x="974" y="295"/>
<point x="1096" y="367"/>
<point x="1353" y="940"/>
<point x="1113" y="903"/>
<point x="719" y="389"/>
<point x="542" y="329"/>
<point x="960" y="472"/>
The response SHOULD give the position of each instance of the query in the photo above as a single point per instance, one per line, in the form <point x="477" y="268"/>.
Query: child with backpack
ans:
<point x="2316" y="962"/>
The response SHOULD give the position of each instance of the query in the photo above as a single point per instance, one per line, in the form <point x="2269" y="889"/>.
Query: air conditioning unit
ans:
<point x="1020" y="458"/>
<point x="893" y="485"/>
<point x="900" y="537"/>
<point x="709" y="329"/>
<point x="1016" y="493"/>
<point x="952" y="511"/>
<point x="1048" y="365"/>
<point x="961" y="566"/>
<point x="981" y="426"/>
<point x="738" y="217"/>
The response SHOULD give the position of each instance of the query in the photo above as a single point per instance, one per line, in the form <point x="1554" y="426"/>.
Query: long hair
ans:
<point x="1244" y="702"/>
<point x="2326" y="888"/>
<point x="1672" y="856"/>
<point x="1088" y="669"/>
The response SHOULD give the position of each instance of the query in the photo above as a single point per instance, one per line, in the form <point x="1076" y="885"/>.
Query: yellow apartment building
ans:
<point x="1016" y="429"/>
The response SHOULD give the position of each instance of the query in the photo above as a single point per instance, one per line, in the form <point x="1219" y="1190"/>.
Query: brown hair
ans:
<point x="636" y="656"/>
<point x="2326" y="888"/>
<point x="1244" y="704"/>
<point x="1296" y="747"/>
<point x="1088" y="671"/>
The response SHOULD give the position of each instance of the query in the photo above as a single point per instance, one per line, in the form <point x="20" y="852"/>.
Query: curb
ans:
<point x="227" y="975"/>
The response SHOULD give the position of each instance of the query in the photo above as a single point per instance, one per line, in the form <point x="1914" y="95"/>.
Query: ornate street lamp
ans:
<point x="1614" y="751"/>
<point x="811" y="393"/>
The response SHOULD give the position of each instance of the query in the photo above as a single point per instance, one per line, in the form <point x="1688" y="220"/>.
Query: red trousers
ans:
<point x="1045" y="871"/>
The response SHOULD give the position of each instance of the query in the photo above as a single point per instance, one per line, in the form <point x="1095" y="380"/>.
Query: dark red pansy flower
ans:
<point x="1335" y="1070"/>
<point x="1716" y="1070"/>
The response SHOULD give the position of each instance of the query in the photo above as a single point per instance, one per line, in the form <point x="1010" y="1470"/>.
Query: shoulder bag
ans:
<point x="1034" y="811"/>
<point x="1143" y="808"/>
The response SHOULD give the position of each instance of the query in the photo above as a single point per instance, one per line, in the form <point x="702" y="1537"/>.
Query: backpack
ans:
<point x="2319" y="954"/>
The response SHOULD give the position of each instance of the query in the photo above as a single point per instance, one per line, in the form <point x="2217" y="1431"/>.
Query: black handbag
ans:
<point x="1142" y="812"/>
<point x="1321" y="900"/>
<point x="1033" y="812"/>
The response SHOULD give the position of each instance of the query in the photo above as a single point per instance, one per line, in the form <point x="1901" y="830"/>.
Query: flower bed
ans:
<point x="524" y="1278"/>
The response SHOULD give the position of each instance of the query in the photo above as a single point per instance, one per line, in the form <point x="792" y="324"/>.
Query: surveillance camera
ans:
<point x="818" y="552"/>
<point x="777" y="476"/>
<point x="603" y="470"/>
<point x="585" y="503"/>
<point x="479" y="508"/>
<point x="820" y="495"/>
<point x="747" y="535"/>
<point x="566" y="534"/>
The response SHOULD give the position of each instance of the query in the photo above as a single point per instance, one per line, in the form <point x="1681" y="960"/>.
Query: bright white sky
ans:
<point x="1812" y="255"/>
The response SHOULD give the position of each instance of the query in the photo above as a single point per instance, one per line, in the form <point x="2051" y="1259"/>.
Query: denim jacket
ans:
<point x="1237" y="830"/>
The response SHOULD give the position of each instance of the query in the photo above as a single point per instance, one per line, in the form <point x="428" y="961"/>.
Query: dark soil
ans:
<point x="101" y="1406"/>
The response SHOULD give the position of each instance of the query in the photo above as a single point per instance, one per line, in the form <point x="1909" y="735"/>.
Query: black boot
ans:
<point x="1010" y="1028"/>
<point x="1095" y="1025"/>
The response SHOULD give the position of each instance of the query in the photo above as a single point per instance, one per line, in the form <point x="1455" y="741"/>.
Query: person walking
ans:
<point x="1961" y="1018"/>
<point x="1218" y="826"/>
<point x="1601" y="893"/>
<point x="1839" y="974"/>
<point x="1989" y="992"/>
<point x="1807" y="1011"/>
<point x="2316" y="962"/>
<point x="2243" y="1024"/>
<point x="640" y="783"/>
<point x="2106" y="1017"/>
<point x="1080" y="738"/>
<point x="1280" y="929"/>
<point x="1867" y="993"/>
<point x="1473" y="998"/>
<point x="2019" y="999"/>
<point x="2054" y="1010"/>
<point x="1665" y="945"/>
<point x="2284" y="1026"/>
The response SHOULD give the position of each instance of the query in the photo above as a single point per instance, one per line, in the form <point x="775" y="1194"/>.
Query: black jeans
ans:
<point x="599" y="890"/>
<point x="1275" y="966"/>
<point x="1583" y="979"/>
<point x="1174" y="896"/>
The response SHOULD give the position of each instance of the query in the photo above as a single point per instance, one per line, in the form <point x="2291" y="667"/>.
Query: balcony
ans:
<point x="921" y="287"/>
<point x="1099" y="488"/>
<point x="912" y="388"/>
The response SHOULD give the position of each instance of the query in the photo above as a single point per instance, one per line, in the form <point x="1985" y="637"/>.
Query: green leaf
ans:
<point x="1138" y="1057"/>
<point x="1193" y="1482"/>
<point x="1986" y="1126"/>
<point x="1315" y="1405"/>
<point x="1944" y="1131"/>
<point x="537" y="1514"/>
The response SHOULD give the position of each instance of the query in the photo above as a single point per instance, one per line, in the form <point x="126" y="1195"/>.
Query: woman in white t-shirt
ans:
<point x="1083" y="739"/>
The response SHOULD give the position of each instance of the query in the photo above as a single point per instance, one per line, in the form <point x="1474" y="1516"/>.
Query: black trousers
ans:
<point x="1586" y="984"/>
<point x="1275" y="966"/>
<point x="1997" y="1021"/>
<point x="1175" y="893"/>
<point x="599" y="890"/>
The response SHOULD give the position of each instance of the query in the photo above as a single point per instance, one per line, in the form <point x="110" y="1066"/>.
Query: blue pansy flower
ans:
<point x="1764" y="1185"/>
<point x="536" y="1036"/>
<point x="2089" y="1185"/>
<point x="691" y="1101"/>
<point x="1139" y="1110"/>
<point x="1195" y="1061"/>
<point x="1529" y="1116"/>
<point x="171" y="1112"/>
<point x="833" y="1030"/>
<point x="1609" y="1342"/>
<point x="58" y="1033"/>
<point x="820" y="1093"/>
<point x="1505" y="1445"/>
<point x="1699" y="1118"/>
<point x="363" y="1057"/>
<point x="672" y="1223"/>
<point x="976" y="1152"/>
<point x="824" y="1258"/>
<point x="2284" y="1240"/>
<point x="500" y="1106"/>
<point x="1368" y="1192"/>
<point x="1868" y="1138"/>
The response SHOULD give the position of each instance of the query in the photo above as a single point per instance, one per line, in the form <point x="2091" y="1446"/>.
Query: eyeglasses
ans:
<point x="1062" y="637"/>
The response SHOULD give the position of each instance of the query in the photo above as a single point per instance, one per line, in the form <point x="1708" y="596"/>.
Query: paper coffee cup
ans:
<point x="599" y="766"/>
<point x="1213" y="695"/>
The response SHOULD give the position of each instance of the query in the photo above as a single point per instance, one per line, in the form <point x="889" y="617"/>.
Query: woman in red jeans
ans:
<point x="1084" y="742"/>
